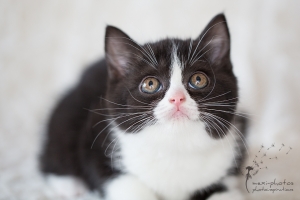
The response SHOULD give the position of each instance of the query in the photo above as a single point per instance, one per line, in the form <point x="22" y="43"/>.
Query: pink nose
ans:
<point x="177" y="99"/>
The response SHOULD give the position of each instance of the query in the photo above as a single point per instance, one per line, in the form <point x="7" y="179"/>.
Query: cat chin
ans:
<point x="178" y="115"/>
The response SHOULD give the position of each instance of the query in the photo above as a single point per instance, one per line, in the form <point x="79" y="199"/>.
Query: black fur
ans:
<point x="74" y="124"/>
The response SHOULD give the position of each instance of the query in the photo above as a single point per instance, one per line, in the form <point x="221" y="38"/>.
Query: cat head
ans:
<point x="171" y="81"/>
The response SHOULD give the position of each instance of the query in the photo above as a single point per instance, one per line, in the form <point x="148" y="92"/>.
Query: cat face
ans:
<point x="171" y="81"/>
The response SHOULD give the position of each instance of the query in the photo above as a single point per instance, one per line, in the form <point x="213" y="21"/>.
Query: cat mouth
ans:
<point x="178" y="114"/>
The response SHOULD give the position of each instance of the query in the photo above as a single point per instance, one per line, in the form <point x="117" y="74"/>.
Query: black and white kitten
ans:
<point x="153" y="121"/>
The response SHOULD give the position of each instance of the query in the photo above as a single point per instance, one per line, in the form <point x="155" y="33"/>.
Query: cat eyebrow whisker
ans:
<point x="198" y="59"/>
<point x="190" y="48"/>
<point x="146" y="61"/>
<point x="143" y="51"/>
<point x="152" y="52"/>
<point x="153" y="59"/>
<point x="195" y="59"/>
<point x="204" y="36"/>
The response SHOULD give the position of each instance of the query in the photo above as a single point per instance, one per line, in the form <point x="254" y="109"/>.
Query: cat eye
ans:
<point x="150" y="85"/>
<point x="198" y="81"/>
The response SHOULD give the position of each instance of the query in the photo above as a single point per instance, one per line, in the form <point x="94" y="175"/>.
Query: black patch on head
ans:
<point x="126" y="100"/>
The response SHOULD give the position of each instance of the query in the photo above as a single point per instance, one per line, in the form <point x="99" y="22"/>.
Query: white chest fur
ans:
<point x="174" y="163"/>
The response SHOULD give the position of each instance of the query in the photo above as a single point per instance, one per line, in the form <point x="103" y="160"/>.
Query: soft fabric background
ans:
<point x="45" y="45"/>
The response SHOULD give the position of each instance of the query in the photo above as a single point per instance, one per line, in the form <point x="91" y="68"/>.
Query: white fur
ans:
<point x="65" y="187"/>
<point x="175" y="157"/>
<point x="128" y="187"/>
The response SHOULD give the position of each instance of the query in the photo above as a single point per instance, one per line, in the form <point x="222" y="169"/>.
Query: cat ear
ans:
<point x="119" y="50"/>
<point x="215" y="40"/>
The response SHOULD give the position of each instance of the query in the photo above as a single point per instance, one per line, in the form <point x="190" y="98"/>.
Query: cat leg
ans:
<point x="232" y="192"/>
<point x="65" y="187"/>
<point x="127" y="187"/>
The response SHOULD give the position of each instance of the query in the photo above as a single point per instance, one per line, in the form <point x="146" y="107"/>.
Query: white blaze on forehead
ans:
<point x="176" y="72"/>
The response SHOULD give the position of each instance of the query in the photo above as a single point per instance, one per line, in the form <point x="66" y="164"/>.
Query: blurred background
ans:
<point x="45" y="46"/>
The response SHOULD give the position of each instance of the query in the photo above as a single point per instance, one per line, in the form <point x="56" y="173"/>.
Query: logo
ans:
<point x="259" y="164"/>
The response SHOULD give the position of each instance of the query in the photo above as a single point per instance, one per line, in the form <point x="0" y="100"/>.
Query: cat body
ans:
<point x="158" y="124"/>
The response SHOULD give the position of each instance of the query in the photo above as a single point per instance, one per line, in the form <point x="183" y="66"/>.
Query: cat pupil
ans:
<point x="198" y="79"/>
<point x="150" y="84"/>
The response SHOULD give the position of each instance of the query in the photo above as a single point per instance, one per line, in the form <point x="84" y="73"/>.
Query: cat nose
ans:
<point x="177" y="99"/>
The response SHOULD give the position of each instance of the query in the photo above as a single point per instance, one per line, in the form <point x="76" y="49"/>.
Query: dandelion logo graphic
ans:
<point x="282" y="145"/>
<point x="249" y="168"/>
<point x="260" y="161"/>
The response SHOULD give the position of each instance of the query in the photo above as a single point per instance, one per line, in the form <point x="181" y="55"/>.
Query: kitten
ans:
<point x="158" y="124"/>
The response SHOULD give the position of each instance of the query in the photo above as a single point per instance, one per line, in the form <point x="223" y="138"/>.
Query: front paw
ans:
<point x="128" y="187"/>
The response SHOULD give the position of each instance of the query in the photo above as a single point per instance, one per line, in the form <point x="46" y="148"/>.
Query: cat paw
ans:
<point x="127" y="187"/>
<point x="65" y="187"/>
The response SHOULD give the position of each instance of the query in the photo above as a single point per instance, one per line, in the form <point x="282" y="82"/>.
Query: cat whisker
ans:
<point x="220" y="105"/>
<point x="216" y="127"/>
<point x="145" y="108"/>
<point x="228" y="130"/>
<point x="241" y="136"/>
<point x="201" y="100"/>
<point x="229" y="112"/>
<point x="204" y="119"/>
<point x="226" y="100"/>
<point x="125" y="105"/>
<point x="112" y="152"/>
<point x="107" y="127"/>
<point x="111" y="130"/>
<point x="122" y="115"/>
<point x="224" y="135"/>
<point x="135" y="98"/>
<point x="143" y="124"/>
